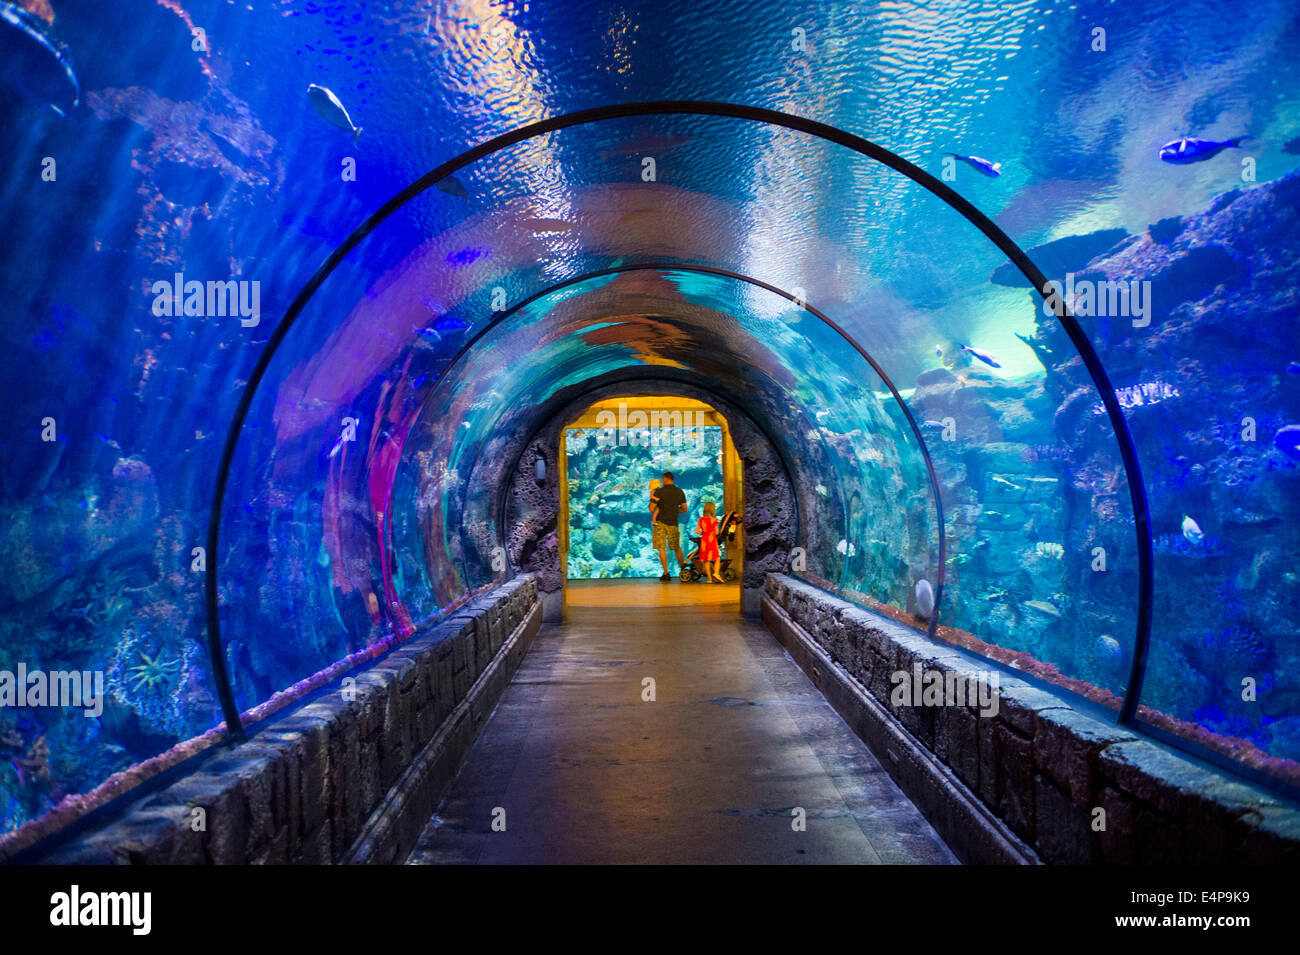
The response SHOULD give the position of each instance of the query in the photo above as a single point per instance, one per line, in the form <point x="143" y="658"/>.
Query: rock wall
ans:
<point x="1206" y="385"/>
<point x="352" y="776"/>
<point x="1075" y="788"/>
<point x="1034" y="484"/>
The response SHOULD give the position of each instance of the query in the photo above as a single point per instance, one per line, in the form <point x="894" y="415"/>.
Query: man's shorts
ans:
<point x="667" y="535"/>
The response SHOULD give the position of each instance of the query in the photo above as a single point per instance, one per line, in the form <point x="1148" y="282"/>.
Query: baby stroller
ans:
<point x="694" y="569"/>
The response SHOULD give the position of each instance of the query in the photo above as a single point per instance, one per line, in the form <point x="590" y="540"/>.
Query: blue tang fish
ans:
<point x="1181" y="152"/>
<point x="983" y="166"/>
<point x="328" y="108"/>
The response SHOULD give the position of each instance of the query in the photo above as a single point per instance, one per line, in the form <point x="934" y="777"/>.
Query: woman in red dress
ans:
<point x="707" y="528"/>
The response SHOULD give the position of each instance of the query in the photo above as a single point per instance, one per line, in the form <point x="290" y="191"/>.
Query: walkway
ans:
<point x="709" y="772"/>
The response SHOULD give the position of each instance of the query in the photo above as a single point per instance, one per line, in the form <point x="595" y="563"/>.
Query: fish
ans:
<point x="1293" y="368"/>
<point x="982" y="356"/>
<point x="1109" y="651"/>
<point x="329" y="108"/>
<point x="1010" y="484"/>
<point x="938" y="351"/>
<point x="1192" y="531"/>
<point x="990" y="169"/>
<point x="452" y="187"/>
<point x="34" y="64"/>
<point x="1042" y="606"/>
<point x="821" y="489"/>
<point x="646" y="145"/>
<point x="1292" y="147"/>
<point x="1287" y="440"/>
<point x="465" y="256"/>
<point x="1181" y="152"/>
<point x="448" y="325"/>
<point x="924" y="598"/>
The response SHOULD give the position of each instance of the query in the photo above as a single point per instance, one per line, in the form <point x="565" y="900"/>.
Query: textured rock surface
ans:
<point x="1035" y="490"/>
<point x="1045" y="768"/>
<point x="332" y="781"/>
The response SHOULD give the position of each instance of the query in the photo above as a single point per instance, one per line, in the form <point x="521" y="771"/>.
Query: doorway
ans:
<point x="610" y="454"/>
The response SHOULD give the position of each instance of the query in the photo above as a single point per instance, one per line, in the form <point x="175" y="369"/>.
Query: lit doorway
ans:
<point x="610" y="454"/>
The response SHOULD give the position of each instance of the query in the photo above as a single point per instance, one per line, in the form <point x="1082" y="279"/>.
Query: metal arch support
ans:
<point x="1128" y="450"/>
<point x="497" y="320"/>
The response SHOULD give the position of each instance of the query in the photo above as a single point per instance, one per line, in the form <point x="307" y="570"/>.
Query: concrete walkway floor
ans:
<point x="709" y="772"/>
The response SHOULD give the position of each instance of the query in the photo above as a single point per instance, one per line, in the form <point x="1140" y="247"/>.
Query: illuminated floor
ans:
<point x="649" y="593"/>
<point x="709" y="772"/>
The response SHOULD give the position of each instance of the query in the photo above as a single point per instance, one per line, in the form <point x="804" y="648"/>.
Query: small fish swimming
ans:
<point x="983" y="166"/>
<point x="1293" y="368"/>
<point x="821" y="489"/>
<point x="1192" y="531"/>
<point x="34" y="63"/>
<point x="452" y="187"/>
<point x="1109" y="651"/>
<point x="982" y="356"/>
<point x="1181" y="152"/>
<point x="1010" y="484"/>
<point x="328" y="108"/>
<point x="466" y="256"/>
<point x="924" y="598"/>
<point x="1287" y="440"/>
<point x="1042" y="606"/>
<point x="938" y="351"/>
<point x="449" y="324"/>
<point x="1292" y="147"/>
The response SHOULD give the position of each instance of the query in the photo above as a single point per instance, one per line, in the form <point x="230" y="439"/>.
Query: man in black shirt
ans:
<point x="666" y="503"/>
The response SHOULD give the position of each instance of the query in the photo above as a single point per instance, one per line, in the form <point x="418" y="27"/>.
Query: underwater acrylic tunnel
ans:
<point x="972" y="332"/>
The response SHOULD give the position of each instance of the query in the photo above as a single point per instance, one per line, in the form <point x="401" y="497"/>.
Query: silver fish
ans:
<point x="982" y="356"/>
<point x="924" y="598"/>
<point x="329" y="108"/>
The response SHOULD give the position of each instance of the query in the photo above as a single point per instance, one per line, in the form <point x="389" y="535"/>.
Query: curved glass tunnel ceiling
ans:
<point x="352" y="485"/>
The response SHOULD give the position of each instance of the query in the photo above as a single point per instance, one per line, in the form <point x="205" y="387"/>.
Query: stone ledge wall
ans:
<point x="1044" y="767"/>
<point x="320" y="784"/>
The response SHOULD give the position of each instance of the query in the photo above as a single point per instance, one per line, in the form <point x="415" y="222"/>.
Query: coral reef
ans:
<point x="609" y="524"/>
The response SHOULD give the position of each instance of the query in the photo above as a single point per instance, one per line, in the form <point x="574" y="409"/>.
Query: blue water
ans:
<point x="357" y="506"/>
